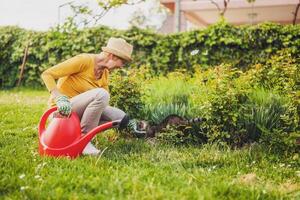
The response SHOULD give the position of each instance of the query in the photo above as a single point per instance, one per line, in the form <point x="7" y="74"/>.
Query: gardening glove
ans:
<point x="63" y="105"/>
<point x="133" y="126"/>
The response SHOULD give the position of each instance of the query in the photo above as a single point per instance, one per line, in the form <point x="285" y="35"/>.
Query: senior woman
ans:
<point x="82" y="86"/>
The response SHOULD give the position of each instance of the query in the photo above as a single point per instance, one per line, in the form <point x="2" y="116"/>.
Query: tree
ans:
<point x="150" y="18"/>
<point x="83" y="16"/>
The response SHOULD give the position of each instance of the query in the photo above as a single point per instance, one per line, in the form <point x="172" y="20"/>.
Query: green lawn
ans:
<point x="130" y="168"/>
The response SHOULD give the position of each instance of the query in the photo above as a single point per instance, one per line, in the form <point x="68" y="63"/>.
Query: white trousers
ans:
<point x="93" y="109"/>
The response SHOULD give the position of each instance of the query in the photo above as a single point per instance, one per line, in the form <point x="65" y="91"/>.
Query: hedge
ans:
<point x="240" y="47"/>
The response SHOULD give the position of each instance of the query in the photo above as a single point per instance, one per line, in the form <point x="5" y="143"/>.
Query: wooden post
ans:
<point x="177" y="16"/>
<point x="23" y="64"/>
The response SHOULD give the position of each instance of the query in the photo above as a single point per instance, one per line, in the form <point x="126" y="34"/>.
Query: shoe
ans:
<point x="90" y="149"/>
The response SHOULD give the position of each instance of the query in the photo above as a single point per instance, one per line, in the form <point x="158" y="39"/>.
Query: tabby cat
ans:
<point x="143" y="128"/>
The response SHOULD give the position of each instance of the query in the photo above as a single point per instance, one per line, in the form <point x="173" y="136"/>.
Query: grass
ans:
<point x="131" y="168"/>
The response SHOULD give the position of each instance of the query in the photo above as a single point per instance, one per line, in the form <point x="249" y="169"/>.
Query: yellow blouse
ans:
<point x="75" y="76"/>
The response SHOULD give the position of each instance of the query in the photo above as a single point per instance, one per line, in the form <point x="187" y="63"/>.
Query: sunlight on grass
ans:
<point x="25" y="97"/>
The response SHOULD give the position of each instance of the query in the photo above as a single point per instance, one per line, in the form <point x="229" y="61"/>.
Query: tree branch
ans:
<point x="296" y="13"/>
<point x="221" y="11"/>
<point x="217" y="5"/>
<point x="225" y="7"/>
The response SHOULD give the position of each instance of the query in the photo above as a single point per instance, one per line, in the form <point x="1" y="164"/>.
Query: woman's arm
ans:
<point x="66" y="68"/>
<point x="55" y="93"/>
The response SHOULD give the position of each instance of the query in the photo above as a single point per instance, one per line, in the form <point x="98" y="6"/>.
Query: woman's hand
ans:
<point x="63" y="105"/>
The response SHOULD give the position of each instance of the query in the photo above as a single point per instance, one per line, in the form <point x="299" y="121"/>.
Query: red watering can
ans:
<point x="63" y="135"/>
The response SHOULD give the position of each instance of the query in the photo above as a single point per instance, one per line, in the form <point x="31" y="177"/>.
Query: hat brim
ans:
<point x="117" y="53"/>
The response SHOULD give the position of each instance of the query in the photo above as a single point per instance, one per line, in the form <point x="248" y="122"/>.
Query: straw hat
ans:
<point x="119" y="47"/>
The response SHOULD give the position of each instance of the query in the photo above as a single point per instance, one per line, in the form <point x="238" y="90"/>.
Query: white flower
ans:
<point x="281" y="165"/>
<point x="37" y="176"/>
<point x="22" y="176"/>
<point x="194" y="52"/>
<point x="24" y="187"/>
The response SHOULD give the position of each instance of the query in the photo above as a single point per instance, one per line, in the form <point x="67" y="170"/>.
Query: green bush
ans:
<point x="262" y="112"/>
<point x="12" y="45"/>
<point x="126" y="92"/>
<point x="241" y="47"/>
<point x="281" y="73"/>
<point x="223" y="105"/>
<point x="239" y="111"/>
<point x="166" y="95"/>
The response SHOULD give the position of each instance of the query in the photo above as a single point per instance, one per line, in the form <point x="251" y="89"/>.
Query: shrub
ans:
<point x="165" y="96"/>
<point x="280" y="73"/>
<point x="12" y="47"/>
<point x="224" y="105"/>
<point x="126" y="92"/>
<point x="262" y="111"/>
<point x="171" y="135"/>
<point x="241" y="47"/>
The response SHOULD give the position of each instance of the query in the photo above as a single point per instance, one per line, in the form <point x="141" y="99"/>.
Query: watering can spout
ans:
<point x="81" y="143"/>
<point x="63" y="136"/>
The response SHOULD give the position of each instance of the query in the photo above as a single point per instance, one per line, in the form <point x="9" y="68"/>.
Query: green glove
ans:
<point x="133" y="126"/>
<point x="63" y="105"/>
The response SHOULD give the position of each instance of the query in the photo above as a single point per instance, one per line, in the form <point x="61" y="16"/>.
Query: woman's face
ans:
<point x="114" y="62"/>
<point x="120" y="62"/>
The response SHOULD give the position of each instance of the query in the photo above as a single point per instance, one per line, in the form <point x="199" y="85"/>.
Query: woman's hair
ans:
<point x="103" y="55"/>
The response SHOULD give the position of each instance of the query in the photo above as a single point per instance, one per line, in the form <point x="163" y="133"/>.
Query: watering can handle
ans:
<point x="44" y="118"/>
